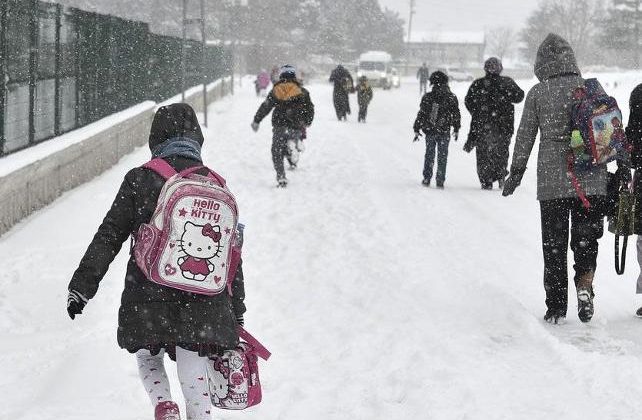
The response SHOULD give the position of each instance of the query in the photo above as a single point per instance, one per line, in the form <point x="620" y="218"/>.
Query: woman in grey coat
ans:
<point x="547" y="110"/>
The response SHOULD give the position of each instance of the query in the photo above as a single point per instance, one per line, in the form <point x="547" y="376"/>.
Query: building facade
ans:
<point x="446" y="49"/>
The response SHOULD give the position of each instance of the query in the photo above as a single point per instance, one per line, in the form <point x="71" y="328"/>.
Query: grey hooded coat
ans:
<point x="548" y="110"/>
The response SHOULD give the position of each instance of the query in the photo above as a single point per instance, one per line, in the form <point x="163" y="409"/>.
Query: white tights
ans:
<point x="191" y="374"/>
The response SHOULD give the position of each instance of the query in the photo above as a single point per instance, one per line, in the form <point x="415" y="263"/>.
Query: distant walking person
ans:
<point x="364" y="96"/>
<point x="438" y="112"/>
<point x="262" y="82"/>
<point x="490" y="101"/>
<point x="423" y="74"/>
<point x="548" y="111"/>
<point x="293" y="113"/>
<point x="343" y="86"/>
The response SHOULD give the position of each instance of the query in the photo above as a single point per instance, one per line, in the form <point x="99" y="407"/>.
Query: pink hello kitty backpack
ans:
<point x="233" y="378"/>
<point x="191" y="242"/>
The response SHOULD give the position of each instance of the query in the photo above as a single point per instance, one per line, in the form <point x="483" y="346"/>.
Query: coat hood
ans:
<point x="555" y="57"/>
<point x="174" y="121"/>
<point x="286" y="90"/>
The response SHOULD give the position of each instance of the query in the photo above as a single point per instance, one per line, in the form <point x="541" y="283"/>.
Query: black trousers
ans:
<point x="283" y="146"/>
<point x="363" y="111"/>
<point x="587" y="226"/>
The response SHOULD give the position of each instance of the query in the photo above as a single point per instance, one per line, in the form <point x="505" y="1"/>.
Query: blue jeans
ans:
<point x="439" y="142"/>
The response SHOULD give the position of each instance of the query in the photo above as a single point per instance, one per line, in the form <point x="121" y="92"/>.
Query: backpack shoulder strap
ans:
<point x="161" y="167"/>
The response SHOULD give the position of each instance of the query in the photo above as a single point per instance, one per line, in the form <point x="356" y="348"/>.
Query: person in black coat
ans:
<point x="343" y="86"/>
<point x="634" y="135"/>
<point x="423" y="74"/>
<point x="155" y="319"/>
<point x="490" y="100"/>
<point x="293" y="113"/>
<point x="438" y="112"/>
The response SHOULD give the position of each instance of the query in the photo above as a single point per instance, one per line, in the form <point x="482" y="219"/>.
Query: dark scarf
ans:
<point x="178" y="146"/>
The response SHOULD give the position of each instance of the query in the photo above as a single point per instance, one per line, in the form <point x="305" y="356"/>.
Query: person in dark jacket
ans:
<point x="438" y="112"/>
<point x="490" y="101"/>
<point x="547" y="110"/>
<point x="423" y="74"/>
<point x="293" y="113"/>
<point x="364" y="96"/>
<point x="634" y="135"/>
<point x="155" y="319"/>
<point x="343" y="86"/>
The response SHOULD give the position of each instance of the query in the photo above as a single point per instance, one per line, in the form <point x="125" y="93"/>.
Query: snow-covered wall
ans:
<point x="35" y="177"/>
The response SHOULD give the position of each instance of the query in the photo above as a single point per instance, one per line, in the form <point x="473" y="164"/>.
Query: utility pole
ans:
<point x="201" y="22"/>
<point x="204" y="63"/>
<point x="637" y="34"/>
<point x="412" y="13"/>
<point x="408" y="39"/>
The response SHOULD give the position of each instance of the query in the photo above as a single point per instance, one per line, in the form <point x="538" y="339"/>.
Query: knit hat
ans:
<point x="493" y="66"/>
<point x="438" y="78"/>
<point x="287" y="72"/>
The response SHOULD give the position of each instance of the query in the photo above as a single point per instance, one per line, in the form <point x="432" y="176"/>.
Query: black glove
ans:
<point x="240" y="320"/>
<point x="512" y="182"/>
<point x="417" y="136"/>
<point x="469" y="146"/>
<point x="456" y="135"/>
<point x="75" y="303"/>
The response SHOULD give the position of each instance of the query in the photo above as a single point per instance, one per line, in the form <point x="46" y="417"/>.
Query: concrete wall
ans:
<point x="102" y="144"/>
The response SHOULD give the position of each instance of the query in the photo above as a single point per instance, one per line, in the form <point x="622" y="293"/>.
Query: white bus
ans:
<point x="377" y="67"/>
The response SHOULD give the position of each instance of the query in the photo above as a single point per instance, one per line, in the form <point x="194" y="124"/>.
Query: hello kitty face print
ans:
<point x="200" y="244"/>
<point x="190" y="243"/>
<point x="218" y="385"/>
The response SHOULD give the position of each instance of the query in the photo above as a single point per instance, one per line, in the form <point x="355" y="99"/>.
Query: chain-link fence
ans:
<point x="62" y="68"/>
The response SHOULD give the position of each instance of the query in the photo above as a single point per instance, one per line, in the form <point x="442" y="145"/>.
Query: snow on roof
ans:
<point x="448" y="37"/>
<point x="375" y="56"/>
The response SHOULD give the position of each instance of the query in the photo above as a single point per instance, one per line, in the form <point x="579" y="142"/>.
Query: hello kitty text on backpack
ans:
<point x="598" y="135"/>
<point x="192" y="242"/>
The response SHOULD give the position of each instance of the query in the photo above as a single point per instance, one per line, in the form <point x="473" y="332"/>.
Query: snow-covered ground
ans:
<point x="379" y="298"/>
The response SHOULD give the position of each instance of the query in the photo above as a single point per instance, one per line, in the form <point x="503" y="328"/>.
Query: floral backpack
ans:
<point x="192" y="242"/>
<point x="233" y="378"/>
<point x="598" y="135"/>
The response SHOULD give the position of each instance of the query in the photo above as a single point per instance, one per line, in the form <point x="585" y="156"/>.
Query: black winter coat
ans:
<point x="439" y="110"/>
<point x="153" y="316"/>
<point x="343" y="86"/>
<point x="292" y="106"/>
<point x="634" y="135"/>
<point x="490" y="101"/>
<point x="634" y="128"/>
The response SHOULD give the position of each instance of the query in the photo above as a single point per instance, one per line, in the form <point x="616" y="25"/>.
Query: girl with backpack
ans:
<point x="155" y="319"/>
<point x="547" y="110"/>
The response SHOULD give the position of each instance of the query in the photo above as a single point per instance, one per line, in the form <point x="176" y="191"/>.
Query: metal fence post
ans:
<point x="183" y="52"/>
<point x="204" y="70"/>
<point x="77" y="54"/>
<point x="3" y="70"/>
<point x="33" y="67"/>
<point x="57" y="104"/>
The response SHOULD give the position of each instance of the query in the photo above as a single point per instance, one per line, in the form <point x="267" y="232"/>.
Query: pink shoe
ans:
<point x="167" y="410"/>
